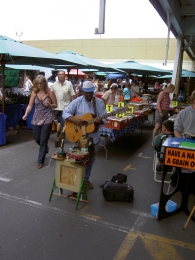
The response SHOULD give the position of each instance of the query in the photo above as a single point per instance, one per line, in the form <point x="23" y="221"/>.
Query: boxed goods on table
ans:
<point x="116" y="122"/>
<point x="170" y="207"/>
<point x="130" y="117"/>
<point x="146" y="111"/>
<point x="139" y="113"/>
<point x="136" y="106"/>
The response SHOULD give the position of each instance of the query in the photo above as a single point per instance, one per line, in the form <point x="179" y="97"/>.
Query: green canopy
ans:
<point x="28" y="67"/>
<point x="86" y="62"/>
<point x="135" y="67"/>
<point x="184" y="74"/>
<point x="103" y="74"/>
<point x="13" y="52"/>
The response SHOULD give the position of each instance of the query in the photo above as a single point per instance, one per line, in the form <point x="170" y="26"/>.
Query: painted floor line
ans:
<point x="5" y="179"/>
<point x="140" y="155"/>
<point x="131" y="235"/>
<point x="139" y="223"/>
<point x="76" y="216"/>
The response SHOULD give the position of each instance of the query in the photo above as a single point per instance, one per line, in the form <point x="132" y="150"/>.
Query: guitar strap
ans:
<point x="94" y="106"/>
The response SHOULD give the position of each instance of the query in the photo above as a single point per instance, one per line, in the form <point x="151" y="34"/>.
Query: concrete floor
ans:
<point x="34" y="228"/>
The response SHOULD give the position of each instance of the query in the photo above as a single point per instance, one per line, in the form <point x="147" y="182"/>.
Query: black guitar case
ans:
<point x="114" y="191"/>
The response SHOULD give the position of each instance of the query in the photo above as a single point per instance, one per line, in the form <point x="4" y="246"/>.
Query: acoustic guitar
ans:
<point x="74" y="132"/>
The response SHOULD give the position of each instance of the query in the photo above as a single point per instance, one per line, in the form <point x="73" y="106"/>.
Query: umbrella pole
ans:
<point x="3" y="88"/>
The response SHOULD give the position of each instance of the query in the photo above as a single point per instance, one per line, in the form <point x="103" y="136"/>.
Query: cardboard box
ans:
<point x="170" y="207"/>
<point x="136" y="106"/>
<point x="116" y="122"/>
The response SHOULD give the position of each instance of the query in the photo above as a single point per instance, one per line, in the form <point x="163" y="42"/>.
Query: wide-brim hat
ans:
<point x="88" y="86"/>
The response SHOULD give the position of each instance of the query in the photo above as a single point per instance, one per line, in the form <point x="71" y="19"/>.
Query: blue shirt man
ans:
<point x="81" y="106"/>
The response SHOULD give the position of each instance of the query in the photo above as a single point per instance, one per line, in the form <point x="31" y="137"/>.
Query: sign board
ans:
<point x="174" y="103"/>
<point x="180" y="158"/>
<point x="109" y="108"/>
<point x="120" y="115"/>
<point x="121" y="104"/>
<point x="130" y="111"/>
<point x="69" y="175"/>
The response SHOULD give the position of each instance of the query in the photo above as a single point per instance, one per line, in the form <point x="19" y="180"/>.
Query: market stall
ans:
<point x="114" y="133"/>
<point x="2" y="129"/>
<point x="13" y="113"/>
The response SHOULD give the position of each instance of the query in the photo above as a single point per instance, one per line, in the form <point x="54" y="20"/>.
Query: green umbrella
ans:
<point x="103" y="74"/>
<point x="187" y="74"/>
<point x="184" y="74"/>
<point x="135" y="67"/>
<point x="87" y="62"/>
<point x="28" y="67"/>
<point x="13" y="52"/>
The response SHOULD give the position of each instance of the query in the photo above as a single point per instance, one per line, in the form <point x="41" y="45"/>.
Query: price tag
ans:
<point x="121" y="104"/>
<point x="120" y="115"/>
<point x="130" y="110"/>
<point x="174" y="103"/>
<point x="109" y="108"/>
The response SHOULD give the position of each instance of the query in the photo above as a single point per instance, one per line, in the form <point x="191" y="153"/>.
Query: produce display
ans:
<point x="14" y="98"/>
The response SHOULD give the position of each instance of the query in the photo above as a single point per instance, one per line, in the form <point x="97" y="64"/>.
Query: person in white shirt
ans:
<point x="134" y="89"/>
<point x="65" y="93"/>
<point x="27" y="85"/>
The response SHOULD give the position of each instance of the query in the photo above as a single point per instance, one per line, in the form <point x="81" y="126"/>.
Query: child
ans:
<point x="167" y="129"/>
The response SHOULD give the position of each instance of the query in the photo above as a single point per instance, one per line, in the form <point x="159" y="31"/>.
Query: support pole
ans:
<point x="168" y="36"/>
<point x="177" y="64"/>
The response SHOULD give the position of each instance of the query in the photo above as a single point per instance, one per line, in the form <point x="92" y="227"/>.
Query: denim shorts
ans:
<point x="159" y="119"/>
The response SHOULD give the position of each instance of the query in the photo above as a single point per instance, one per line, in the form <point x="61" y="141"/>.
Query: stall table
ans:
<point x="114" y="134"/>
<point x="13" y="113"/>
<point x="176" y="154"/>
<point x="2" y="129"/>
<point x="29" y="117"/>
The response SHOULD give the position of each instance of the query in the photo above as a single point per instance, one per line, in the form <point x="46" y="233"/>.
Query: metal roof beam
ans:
<point x="188" y="28"/>
<point x="163" y="14"/>
<point x="188" y="10"/>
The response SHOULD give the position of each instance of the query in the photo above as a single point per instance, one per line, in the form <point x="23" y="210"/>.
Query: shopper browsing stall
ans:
<point x="162" y="108"/>
<point x="109" y="96"/>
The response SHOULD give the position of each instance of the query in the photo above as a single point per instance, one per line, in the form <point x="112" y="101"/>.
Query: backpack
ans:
<point x="117" y="189"/>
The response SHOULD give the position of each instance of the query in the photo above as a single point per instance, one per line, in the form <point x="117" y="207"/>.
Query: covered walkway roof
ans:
<point x="182" y="20"/>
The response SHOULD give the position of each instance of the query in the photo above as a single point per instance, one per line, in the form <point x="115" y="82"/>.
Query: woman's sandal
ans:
<point x="40" y="166"/>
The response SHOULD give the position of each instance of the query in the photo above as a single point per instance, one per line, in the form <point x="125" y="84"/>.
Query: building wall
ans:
<point x="114" y="50"/>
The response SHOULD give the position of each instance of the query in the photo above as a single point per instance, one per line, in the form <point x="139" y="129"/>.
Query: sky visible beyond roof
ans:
<point x="77" y="19"/>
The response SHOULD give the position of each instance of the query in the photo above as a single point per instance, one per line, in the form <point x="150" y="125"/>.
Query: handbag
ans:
<point x="53" y="126"/>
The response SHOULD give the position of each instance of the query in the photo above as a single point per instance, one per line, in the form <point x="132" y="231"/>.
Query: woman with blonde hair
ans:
<point x="162" y="108"/>
<point x="44" y="100"/>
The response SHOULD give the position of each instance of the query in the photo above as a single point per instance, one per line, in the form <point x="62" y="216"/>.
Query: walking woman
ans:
<point x="44" y="100"/>
<point x="162" y="108"/>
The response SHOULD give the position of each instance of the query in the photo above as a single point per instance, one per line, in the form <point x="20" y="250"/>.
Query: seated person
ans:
<point x="185" y="124"/>
<point x="167" y="129"/>
<point x="109" y="96"/>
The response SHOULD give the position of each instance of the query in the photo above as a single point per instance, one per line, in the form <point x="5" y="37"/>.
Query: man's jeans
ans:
<point x="89" y="167"/>
<point x="58" y="116"/>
